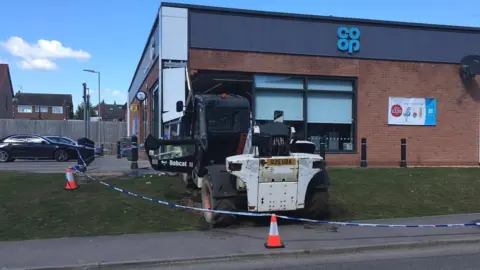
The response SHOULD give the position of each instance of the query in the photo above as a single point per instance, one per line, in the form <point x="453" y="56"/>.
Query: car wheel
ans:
<point x="61" y="155"/>
<point x="4" y="156"/>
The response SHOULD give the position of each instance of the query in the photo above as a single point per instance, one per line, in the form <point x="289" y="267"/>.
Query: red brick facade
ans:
<point x="150" y="80"/>
<point x="453" y="141"/>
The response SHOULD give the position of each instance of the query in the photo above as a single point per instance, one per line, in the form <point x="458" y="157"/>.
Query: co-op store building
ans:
<point x="332" y="77"/>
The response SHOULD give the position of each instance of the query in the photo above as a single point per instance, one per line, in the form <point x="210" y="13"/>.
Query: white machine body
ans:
<point x="273" y="183"/>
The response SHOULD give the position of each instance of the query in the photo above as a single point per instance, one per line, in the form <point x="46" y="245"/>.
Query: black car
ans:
<point x="34" y="147"/>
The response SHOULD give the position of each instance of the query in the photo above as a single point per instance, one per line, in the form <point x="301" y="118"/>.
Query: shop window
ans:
<point x="329" y="85"/>
<point x="297" y="125"/>
<point x="329" y="111"/>
<point x="267" y="101"/>
<point x="278" y="82"/>
<point x="330" y="114"/>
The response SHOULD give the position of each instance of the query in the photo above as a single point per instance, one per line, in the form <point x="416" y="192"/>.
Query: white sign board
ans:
<point x="412" y="111"/>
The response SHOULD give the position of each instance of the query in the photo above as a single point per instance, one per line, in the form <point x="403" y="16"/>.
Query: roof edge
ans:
<point x="10" y="79"/>
<point x="9" y="76"/>
<point x="322" y="17"/>
<point x="152" y="31"/>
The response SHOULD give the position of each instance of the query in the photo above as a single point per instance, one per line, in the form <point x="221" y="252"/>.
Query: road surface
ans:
<point x="101" y="164"/>
<point x="455" y="257"/>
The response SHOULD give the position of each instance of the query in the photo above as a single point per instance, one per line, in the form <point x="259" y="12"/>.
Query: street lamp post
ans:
<point x="99" y="97"/>
<point x="14" y="103"/>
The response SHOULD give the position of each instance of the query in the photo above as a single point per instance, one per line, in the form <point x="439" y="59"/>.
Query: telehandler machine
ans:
<point x="240" y="167"/>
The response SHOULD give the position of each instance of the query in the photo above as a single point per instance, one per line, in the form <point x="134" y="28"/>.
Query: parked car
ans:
<point x="60" y="139"/>
<point x="34" y="147"/>
<point x="67" y="140"/>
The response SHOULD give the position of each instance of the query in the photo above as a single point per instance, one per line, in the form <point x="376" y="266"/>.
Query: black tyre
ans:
<point x="61" y="155"/>
<point x="4" y="156"/>
<point x="316" y="204"/>
<point x="216" y="220"/>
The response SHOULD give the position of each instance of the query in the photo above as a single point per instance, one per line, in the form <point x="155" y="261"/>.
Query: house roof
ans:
<point x="5" y="74"/>
<point x="43" y="99"/>
<point x="112" y="110"/>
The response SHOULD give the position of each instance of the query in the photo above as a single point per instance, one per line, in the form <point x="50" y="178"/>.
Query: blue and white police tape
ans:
<point x="338" y="223"/>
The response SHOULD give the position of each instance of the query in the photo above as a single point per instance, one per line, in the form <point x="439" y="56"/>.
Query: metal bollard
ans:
<point x="119" y="151"/>
<point x="403" y="153"/>
<point x="322" y="148"/>
<point x="102" y="149"/>
<point x="363" y="159"/>
<point x="134" y="164"/>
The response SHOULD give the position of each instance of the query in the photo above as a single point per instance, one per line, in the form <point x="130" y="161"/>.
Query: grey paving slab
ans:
<point x="225" y="242"/>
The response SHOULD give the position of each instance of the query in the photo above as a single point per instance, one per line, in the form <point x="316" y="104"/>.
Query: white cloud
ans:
<point x="115" y="95"/>
<point x="90" y="91"/>
<point x="37" y="64"/>
<point x="41" y="54"/>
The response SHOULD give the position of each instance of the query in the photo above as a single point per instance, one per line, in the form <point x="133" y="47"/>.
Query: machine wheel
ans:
<point x="210" y="202"/>
<point x="316" y="204"/>
<point x="188" y="180"/>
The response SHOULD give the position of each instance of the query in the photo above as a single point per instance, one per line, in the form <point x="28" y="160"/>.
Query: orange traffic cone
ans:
<point x="71" y="185"/>
<point x="273" y="240"/>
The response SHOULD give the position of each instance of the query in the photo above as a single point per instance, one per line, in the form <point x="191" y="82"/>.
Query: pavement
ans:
<point x="166" y="249"/>
<point x="452" y="257"/>
<point x="105" y="165"/>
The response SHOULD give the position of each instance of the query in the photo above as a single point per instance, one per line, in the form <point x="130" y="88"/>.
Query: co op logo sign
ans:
<point x="348" y="39"/>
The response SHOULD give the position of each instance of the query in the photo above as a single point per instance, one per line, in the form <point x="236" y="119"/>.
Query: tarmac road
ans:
<point x="101" y="164"/>
<point x="455" y="257"/>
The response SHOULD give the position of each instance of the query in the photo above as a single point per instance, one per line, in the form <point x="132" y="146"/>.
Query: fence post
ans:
<point x="119" y="151"/>
<point x="363" y="159"/>
<point x="134" y="164"/>
<point x="322" y="148"/>
<point x="403" y="153"/>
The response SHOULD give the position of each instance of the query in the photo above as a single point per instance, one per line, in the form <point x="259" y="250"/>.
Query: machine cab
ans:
<point x="210" y="131"/>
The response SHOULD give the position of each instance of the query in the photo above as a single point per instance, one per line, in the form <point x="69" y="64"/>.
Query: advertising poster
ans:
<point x="412" y="111"/>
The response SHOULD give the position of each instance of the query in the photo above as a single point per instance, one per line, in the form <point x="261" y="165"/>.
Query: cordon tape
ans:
<point x="338" y="223"/>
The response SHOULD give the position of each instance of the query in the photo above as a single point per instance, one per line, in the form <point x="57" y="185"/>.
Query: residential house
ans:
<point x="111" y="112"/>
<point x="42" y="106"/>
<point x="6" y="92"/>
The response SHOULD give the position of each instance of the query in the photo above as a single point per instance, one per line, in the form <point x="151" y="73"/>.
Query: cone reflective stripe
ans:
<point x="273" y="240"/>
<point x="71" y="185"/>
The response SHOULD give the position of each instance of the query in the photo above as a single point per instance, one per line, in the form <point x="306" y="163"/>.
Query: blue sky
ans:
<point x="109" y="35"/>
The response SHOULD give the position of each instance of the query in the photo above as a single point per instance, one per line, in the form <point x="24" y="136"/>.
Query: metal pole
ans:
<point x="322" y="148"/>
<point x="85" y="108"/>
<point x="134" y="164"/>
<point x="403" y="153"/>
<point x="99" y="101"/>
<point x="99" y="110"/>
<point x="363" y="159"/>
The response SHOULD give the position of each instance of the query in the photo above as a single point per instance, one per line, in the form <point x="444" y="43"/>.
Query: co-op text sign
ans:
<point x="348" y="39"/>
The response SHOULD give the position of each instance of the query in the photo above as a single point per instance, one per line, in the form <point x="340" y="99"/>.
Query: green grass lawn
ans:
<point x="377" y="193"/>
<point x="36" y="206"/>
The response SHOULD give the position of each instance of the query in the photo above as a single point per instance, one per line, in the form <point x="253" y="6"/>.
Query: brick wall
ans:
<point x="150" y="80"/>
<point x="6" y="107"/>
<point x="455" y="139"/>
